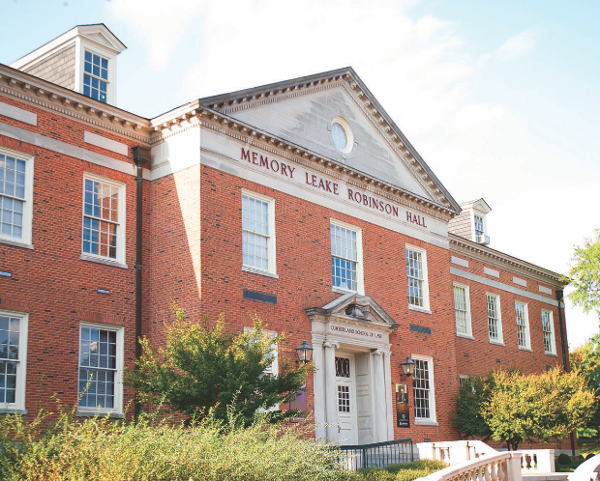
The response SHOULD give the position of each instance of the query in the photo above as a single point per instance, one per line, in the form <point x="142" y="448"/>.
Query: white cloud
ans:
<point x="516" y="46"/>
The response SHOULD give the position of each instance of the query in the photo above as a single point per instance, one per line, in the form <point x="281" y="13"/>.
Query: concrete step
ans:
<point x="545" y="476"/>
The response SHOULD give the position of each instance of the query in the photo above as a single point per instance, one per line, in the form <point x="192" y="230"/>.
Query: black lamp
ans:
<point x="304" y="352"/>
<point x="408" y="368"/>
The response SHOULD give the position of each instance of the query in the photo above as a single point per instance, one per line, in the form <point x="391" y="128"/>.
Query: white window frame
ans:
<point x="360" y="285"/>
<point x="425" y="281"/>
<point x="271" y="270"/>
<point x="81" y="46"/>
<point x="121" y="224"/>
<point x="19" y="404"/>
<point x="527" y="347"/>
<point x="469" y="333"/>
<point x="552" y="350"/>
<point x="26" y="237"/>
<point x="118" y="387"/>
<point x="273" y="369"/>
<point x="461" y="379"/>
<point x="432" y="420"/>
<point x="473" y="231"/>
<point x="500" y="340"/>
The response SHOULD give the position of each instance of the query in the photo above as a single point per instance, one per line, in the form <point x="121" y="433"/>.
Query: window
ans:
<point x="462" y="312"/>
<point x="258" y="232"/>
<point x="494" y="320"/>
<point x="462" y="378"/>
<point x="479" y="229"/>
<point x="273" y="369"/>
<point x="342" y="135"/>
<point x="346" y="257"/>
<point x="95" y="76"/>
<point x="13" y="356"/>
<point x="522" y="325"/>
<point x="343" y="399"/>
<point x="16" y="196"/>
<point x="423" y="391"/>
<point x="103" y="218"/>
<point x="548" y="330"/>
<point x="100" y="368"/>
<point x="416" y="272"/>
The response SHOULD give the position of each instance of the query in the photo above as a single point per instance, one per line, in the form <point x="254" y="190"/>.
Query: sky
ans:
<point x="501" y="98"/>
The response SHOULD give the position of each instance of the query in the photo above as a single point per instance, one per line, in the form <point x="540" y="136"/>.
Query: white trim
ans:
<point x="519" y="281"/>
<point x="105" y="143"/>
<point x="121" y="216"/>
<point x="491" y="272"/>
<point x="552" y="351"/>
<point x="459" y="261"/>
<point x="19" y="403"/>
<point x="86" y="45"/>
<point x="16" y="113"/>
<point x="347" y="131"/>
<point x="26" y="238"/>
<point x="500" y="340"/>
<point x="431" y="420"/>
<point x="360" y="280"/>
<point x="469" y="333"/>
<point x="271" y="243"/>
<point x="118" y="387"/>
<point x="426" y="306"/>
<point x="527" y="345"/>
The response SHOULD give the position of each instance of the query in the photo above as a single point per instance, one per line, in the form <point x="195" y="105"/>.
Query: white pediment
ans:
<point x="306" y="120"/>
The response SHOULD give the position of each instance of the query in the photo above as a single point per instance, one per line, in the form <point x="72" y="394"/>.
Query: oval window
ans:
<point x="342" y="135"/>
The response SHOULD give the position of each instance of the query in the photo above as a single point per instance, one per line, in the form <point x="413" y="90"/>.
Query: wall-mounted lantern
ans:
<point x="408" y="368"/>
<point x="304" y="352"/>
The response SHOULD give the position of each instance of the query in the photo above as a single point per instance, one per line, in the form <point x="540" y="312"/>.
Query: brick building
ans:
<point x="301" y="202"/>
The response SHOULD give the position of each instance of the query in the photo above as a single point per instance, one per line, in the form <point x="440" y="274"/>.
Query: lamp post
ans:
<point x="408" y="368"/>
<point x="304" y="352"/>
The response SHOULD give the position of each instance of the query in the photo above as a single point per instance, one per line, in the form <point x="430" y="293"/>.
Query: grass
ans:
<point x="587" y="447"/>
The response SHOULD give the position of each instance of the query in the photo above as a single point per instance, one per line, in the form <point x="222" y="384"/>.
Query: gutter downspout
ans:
<point x="141" y="155"/>
<point x="562" y="321"/>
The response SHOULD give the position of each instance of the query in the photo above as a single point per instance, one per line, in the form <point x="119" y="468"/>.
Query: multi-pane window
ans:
<point x="95" y="76"/>
<point x="344" y="257"/>
<point x="423" y="389"/>
<point x="13" y="347"/>
<point x="258" y="233"/>
<point x="461" y="310"/>
<point x="99" y="368"/>
<point x="15" y="186"/>
<point x="522" y="324"/>
<point x="102" y="234"/>
<point x="479" y="230"/>
<point x="548" y="331"/>
<point x="343" y="399"/>
<point x="416" y="273"/>
<point x="493" y="314"/>
<point x="342" y="367"/>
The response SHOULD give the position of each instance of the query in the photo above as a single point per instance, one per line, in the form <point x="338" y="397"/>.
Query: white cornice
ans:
<point x="185" y="117"/>
<point x="498" y="259"/>
<point x="48" y="96"/>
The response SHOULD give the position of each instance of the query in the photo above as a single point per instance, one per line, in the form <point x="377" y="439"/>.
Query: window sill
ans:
<point x="498" y="343"/>
<point x="91" y="414"/>
<point x="99" y="260"/>
<point x="527" y="349"/>
<point x="419" y="309"/>
<point x="13" y="411"/>
<point x="339" y="290"/>
<point x="551" y="354"/>
<point x="465" y="336"/>
<point x="425" y="422"/>
<point x="262" y="272"/>
<point x="16" y="243"/>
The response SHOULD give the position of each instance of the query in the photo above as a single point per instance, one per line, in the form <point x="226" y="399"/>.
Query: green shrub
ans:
<point x="401" y="471"/>
<point x="564" y="460"/>
<point x="151" y="450"/>
<point x="591" y="455"/>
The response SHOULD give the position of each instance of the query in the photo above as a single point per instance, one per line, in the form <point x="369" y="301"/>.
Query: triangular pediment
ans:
<point x="101" y="35"/>
<point x="355" y="307"/>
<point x="302" y="111"/>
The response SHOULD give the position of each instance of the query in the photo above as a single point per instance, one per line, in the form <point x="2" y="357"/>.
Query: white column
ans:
<point x="319" y="390"/>
<point x="379" y="391"/>
<point x="331" y="400"/>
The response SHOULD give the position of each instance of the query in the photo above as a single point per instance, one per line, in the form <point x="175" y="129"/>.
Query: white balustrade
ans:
<point x="505" y="466"/>
<point x="587" y="471"/>
<point x="537" y="460"/>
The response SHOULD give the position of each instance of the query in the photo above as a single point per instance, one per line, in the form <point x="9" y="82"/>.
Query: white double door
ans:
<point x="346" y="397"/>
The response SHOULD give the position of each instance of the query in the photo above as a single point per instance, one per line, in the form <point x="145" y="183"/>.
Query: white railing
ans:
<point x="537" y="460"/>
<point x="504" y="466"/>
<point x="587" y="471"/>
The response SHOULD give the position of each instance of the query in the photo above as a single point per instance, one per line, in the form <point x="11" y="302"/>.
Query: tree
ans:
<point x="472" y="395"/>
<point x="584" y="275"/>
<point x="515" y="408"/>
<point x="206" y="368"/>
<point x="586" y="360"/>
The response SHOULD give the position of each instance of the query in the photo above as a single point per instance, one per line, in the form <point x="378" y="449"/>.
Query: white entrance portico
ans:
<point x="352" y="384"/>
